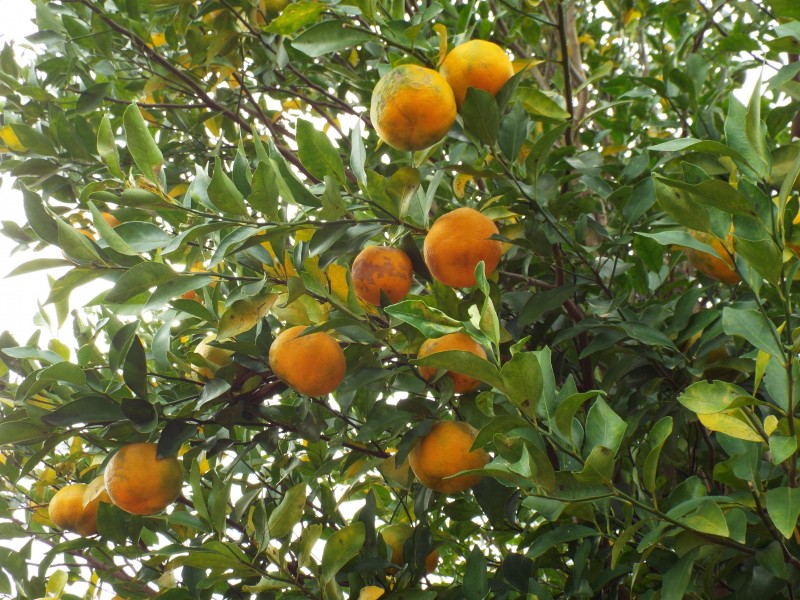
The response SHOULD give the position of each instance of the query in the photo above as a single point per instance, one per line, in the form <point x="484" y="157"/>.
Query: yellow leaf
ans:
<point x="587" y="40"/>
<point x="460" y="182"/>
<point x="243" y="315"/>
<point x="337" y="275"/>
<point x="213" y="125"/>
<point x="632" y="15"/>
<point x="441" y="31"/>
<point x="178" y="190"/>
<point x="353" y="58"/>
<point x="157" y="39"/>
<point x="731" y="423"/>
<point x="770" y="424"/>
<point x="521" y="64"/>
<point x="203" y="466"/>
<point x="11" y="140"/>
<point x="612" y="150"/>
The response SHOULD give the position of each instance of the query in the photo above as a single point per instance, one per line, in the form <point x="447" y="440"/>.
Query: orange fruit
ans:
<point x="371" y="592"/>
<point x="395" y="536"/>
<point x="721" y="269"/>
<point x="445" y="451"/>
<point x="313" y="364"/>
<point x="214" y="358"/>
<point x="412" y="107"/>
<point x="74" y="507"/>
<point x="110" y="219"/>
<point x="379" y="268"/>
<point x="141" y="483"/>
<point x="452" y="341"/>
<point x="479" y="64"/>
<point x="457" y="242"/>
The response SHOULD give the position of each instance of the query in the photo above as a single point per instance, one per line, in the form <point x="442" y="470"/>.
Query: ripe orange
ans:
<point x="457" y="242"/>
<point x="396" y="535"/>
<point x="74" y="507"/>
<point x="721" y="269"/>
<point x="379" y="268"/>
<point x="445" y="451"/>
<point x="412" y="107"/>
<point x="141" y="483"/>
<point x="313" y="365"/>
<point x="479" y="64"/>
<point x="452" y="341"/>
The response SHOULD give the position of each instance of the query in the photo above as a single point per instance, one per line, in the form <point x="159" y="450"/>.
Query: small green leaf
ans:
<point x="340" y="548"/>
<point x="224" y="194"/>
<point x="598" y="468"/>
<point x="317" y="153"/>
<point x="566" y="410"/>
<point x="141" y="145"/>
<point x="705" y="397"/>
<point x="754" y="327"/>
<point x="134" y="369"/>
<point x="480" y="115"/>
<point x="656" y="439"/>
<point x="782" y="448"/>
<point x="476" y="580"/>
<point x="677" y="579"/>
<point x="463" y="362"/>
<point x="523" y="382"/>
<point x="679" y="205"/>
<point x="288" y="513"/>
<point x="783" y="506"/>
<point x="138" y="279"/>
<point x="707" y="518"/>
<point x="604" y="427"/>
<point x="91" y="409"/>
<point x="431" y="322"/>
<point x="107" y="148"/>
<point x="329" y="36"/>
<point x="91" y="98"/>
<point x="539" y="104"/>
<point x="296" y="16"/>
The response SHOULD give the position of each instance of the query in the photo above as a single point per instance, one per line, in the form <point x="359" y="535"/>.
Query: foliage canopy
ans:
<point x="639" y="414"/>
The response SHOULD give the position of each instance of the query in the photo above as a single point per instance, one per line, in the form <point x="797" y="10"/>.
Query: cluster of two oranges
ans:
<point x="136" y="480"/>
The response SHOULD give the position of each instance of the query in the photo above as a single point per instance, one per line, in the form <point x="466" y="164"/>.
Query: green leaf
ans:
<point x="329" y="36"/>
<point x="707" y="518"/>
<point x="463" y="362"/>
<point x="33" y="140"/>
<point x="76" y="245"/>
<point x="91" y="98"/>
<point x="781" y="448"/>
<point x="785" y="8"/>
<point x="340" y="548"/>
<point x="539" y="104"/>
<point x="480" y="115"/>
<point x="656" y="439"/>
<point x="107" y="148"/>
<point x="288" y="513"/>
<point x="15" y="432"/>
<point x="91" y="409"/>
<point x="358" y="154"/>
<point x="763" y="255"/>
<point x="679" y="205"/>
<point x="754" y="327"/>
<point x="598" y="468"/>
<point x="138" y="279"/>
<point x="141" y="145"/>
<point x="108" y="234"/>
<point x="694" y="145"/>
<point x="561" y="535"/>
<point x="523" y="382"/>
<point x="705" y="397"/>
<point x="401" y="187"/>
<point x="223" y="194"/>
<point x="476" y="581"/>
<point x="134" y="369"/>
<point x="317" y="153"/>
<point x="429" y="321"/>
<point x="604" y="427"/>
<point x="566" y="410"/>
<point x="783" y="506"/>
<point x="677" y="579"/>
<point x="296" y="16"/>
<point x="713" y="192"/>
<point x="39" y="218"/>
<point x="740" y="137"/>
<point x="513" y="132"/>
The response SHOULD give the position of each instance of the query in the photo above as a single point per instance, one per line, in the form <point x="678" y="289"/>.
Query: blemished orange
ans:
<point x="479" y="64"/>
<point x="452" y="341"/>
<point x="313" y="364"/>
<point x="445" y="451"/>
<point x="381" y="268"/>
<point x="412" y="107"/>
<point x="139" y="482"/>
<point x="457" y="242"/>
<point x="69" y="510"/>
<point x="395" y="536"/>
<point x="721" y="269"/>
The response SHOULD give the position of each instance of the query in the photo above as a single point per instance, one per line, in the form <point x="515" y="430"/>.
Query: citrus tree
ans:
<point x="419" y="299"/>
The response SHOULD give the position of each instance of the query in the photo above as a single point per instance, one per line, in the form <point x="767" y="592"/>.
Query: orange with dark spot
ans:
<point x="380" y="268"/>
<point x="479" y="64"/>
<point x="412" y="107"/>
<point x="313" y="364"/>
<point x="457" y="242"/>
<point x="452" y="341"/>
<point x="141" y="483"/>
